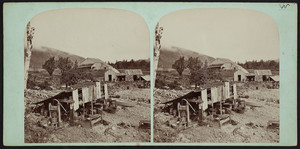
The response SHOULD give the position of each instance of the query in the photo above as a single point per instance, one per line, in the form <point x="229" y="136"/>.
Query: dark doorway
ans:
<point x="239" y="78"/>
<point x="264" y="78"/>
<point x="109" y="77"/>
<point x="250" y="78"/>
<point x="121" y="78"/>
<point x="135" y="77"/>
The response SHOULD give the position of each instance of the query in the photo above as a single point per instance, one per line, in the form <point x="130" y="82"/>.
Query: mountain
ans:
<point x="168" y="55"/>
<point x="40" y="54"/>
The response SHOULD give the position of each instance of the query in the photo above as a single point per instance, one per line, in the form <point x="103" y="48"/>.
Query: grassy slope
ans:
<point x="169" y="55"/>
<point x="41" y="54"/>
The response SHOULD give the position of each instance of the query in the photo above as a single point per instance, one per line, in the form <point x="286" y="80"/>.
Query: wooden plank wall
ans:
<point x="98" y="90"/>
<point x="106" y="91"/>
<point x="91" y="92"/>
<point x="85" y="94"/>
<point x="227" y="90"/>
<point x="75" y="99"/>
<point x="220" y="93"/>
<point x="214" y="94"/>
<point x="234" y="92"/>
<point x="204" y="99"/>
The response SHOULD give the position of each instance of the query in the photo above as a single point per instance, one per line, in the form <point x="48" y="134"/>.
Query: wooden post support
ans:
<point x="235" y="96"/>
<point x="178" y="109"/>
<point x="220" y="93"/>
<point x="200" y="113"/>
<point x="71" y="113"/>
<point x="49" y="109"/>
<point x="227" y="90"/>
<point x="187" y="113"/>
<point x="98" y="90"/>
<point x="234" y="92"/>
<point x="106" y="91"/>
<point x="221" y="107"/>
<point x="92" y="107"/>
<point x="58" y="114"/>
<point x="75" y="99"/>
<point x="204" y="99"/>
<point x="71" y="110"/>
<point x="83" y="110"/>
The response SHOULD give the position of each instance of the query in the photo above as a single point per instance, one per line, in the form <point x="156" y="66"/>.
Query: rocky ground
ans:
<point x="136" y="95"/>
<point x="251" y="125"/>
<point x="122" y="126"/>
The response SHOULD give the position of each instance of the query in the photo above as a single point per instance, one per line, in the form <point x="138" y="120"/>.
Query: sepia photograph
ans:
<point x="149" y="74"/>
<point x="217" y="77"/>
<point x="87" y="77"/>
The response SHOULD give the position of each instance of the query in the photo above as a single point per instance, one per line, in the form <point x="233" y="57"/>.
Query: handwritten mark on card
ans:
<point x="284" y="6"/>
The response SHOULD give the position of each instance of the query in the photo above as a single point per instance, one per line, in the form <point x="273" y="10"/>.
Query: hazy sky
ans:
<point x="236" y="34"/>
<point x="108" y="34"/>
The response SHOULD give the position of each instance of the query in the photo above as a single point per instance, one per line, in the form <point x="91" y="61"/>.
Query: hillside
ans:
<point x="169" y="55"/>
<point x="147" y="60"/>
<point x="41" y="54"/>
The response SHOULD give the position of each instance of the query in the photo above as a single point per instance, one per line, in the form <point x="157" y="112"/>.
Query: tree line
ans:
<point x="132" y="64"/>
<point x="69" y="73"/>
<point x="200" y="74"/>
<point x="254" y="64"/>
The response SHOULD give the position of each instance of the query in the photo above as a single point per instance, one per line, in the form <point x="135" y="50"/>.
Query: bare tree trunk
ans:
<point x="26" y="65"/>
<point x="155" y="64"/>
<point x="157" y="46"/>
<point x="27" y="52"/>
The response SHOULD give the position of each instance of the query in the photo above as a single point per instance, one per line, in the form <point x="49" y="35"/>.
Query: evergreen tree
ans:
<point x="205" y="64"/>
<point x="179" y="65"/>
<point x="75" y="64"/>
<point x="64" y="64"/>
<point x="49" y="65"/>
<point x="194" y="64"/>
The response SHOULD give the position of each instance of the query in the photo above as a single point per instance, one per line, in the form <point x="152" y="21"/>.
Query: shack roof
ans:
<point x="131" y="71"/>
<point x="121" y="74"/>
<point x="59" y="96"/>
<point x="85" y="66"/>
<point x="250" y="72"/>
<point x="242" y="69"/>
<point x="91" y="61"/>
<point x="66" y="94"/>
<point x="189" y="97"/>
<point x="262" y="72"/>
<point x="275" y="78"/>
<point x="220" y="61"/>
<point x="146" y="77"/>
<point x="214" y="65"/>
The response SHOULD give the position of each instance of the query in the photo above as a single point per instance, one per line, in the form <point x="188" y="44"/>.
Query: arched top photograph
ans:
<point x="87" y="74"/>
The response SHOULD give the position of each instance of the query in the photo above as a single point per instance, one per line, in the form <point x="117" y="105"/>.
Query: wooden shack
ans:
<point x="201" y="103"/>
<point x="79" y="102"/>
